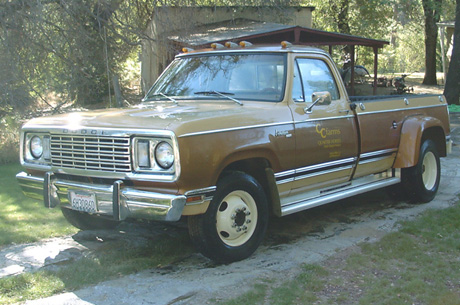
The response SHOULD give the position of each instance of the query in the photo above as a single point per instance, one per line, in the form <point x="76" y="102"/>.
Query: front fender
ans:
<point x="411" y="137"/>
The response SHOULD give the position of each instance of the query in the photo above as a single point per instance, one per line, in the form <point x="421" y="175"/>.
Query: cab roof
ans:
<point x="268" y="48"/>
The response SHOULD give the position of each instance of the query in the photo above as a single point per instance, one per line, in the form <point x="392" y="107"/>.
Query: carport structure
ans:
<point x="263" y="32"/>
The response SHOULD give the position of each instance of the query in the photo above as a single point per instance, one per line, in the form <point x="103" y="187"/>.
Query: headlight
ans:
<point x="164" y="155"/>
<point x="154" y="155"/>
<point x="36" y="147"/>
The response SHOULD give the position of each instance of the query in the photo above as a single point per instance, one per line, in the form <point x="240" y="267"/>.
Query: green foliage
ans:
<point x="66" y="48"/>
<point x="73" y="48"/>
<point x="406" y="54"/>
<point x="9" y="139"/>
<point x="401" y="22"/>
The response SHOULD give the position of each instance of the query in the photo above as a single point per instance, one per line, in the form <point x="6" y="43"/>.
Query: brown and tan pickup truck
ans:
<point x="228" y="137"/>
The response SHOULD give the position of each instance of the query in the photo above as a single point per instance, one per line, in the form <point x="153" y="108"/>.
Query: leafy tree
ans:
<point x="74" y="49"/>
<point x="69" y="48"/>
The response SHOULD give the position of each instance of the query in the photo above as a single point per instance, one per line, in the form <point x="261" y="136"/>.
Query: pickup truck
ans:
<point x="227" y="138"/>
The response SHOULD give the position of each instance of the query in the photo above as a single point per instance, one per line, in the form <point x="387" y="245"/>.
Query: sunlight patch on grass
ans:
<point x="24" y="220"/>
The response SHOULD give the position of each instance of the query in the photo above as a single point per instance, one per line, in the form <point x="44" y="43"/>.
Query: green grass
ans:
<point x="24" y="220"/>
<point x="300" y="290"/>
<point x="417" y="265"/>
<point x="454" y="108"/>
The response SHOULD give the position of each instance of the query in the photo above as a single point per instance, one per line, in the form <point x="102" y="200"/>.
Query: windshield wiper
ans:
<point x="163" y="95"/>
<point x="223" y="94"/>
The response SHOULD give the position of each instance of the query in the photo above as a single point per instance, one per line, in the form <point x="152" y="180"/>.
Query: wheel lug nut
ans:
<point x="248" y="221"/>
<point x="233" y="216"/>
<point x="244" y="228"/>
<point x="238" y="229"/>
<point x="234" y="225"/>
<point x="244" y="209"/>
<point x="247" y="213"/>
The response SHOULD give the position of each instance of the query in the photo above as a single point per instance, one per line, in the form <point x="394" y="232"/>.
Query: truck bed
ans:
<point x="365" y="98"/>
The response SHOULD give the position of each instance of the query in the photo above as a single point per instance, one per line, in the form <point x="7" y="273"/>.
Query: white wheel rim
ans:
<point x="429" y="170"/>
<point x="236" y="218"/>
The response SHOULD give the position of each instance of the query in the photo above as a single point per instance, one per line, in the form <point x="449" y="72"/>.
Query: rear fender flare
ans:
<point x="411" y="139"/>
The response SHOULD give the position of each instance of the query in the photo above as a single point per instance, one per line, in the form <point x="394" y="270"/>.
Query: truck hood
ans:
<point x="184" y="117"/>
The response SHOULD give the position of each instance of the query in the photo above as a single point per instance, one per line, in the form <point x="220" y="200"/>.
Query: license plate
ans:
<point x="84" y="202"/>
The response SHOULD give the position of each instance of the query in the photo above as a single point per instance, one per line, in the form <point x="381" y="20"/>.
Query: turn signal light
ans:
<point x="186" y="50"/>
<point x="217" y="46"/>
<point x="244" y="44"/>
<point x="194" y="199"/>
<point x="230" y="44"/>
<point x="286" y="44"/>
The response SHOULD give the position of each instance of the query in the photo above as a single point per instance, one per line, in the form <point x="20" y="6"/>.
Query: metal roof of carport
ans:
<point x="265" y="32"/>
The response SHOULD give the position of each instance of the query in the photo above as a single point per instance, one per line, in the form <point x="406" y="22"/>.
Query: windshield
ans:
<point x="242" y="76"/>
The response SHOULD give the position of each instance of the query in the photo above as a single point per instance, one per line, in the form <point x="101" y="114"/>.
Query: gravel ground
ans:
<point x="302" y="238"/>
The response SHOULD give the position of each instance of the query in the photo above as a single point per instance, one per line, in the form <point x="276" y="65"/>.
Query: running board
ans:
<point x="341" y="193"/>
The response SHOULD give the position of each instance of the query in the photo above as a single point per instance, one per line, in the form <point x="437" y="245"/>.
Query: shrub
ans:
<point x="9" y="139"/>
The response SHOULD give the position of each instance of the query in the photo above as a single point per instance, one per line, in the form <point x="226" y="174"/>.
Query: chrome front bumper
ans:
<point x="114" y="200"/>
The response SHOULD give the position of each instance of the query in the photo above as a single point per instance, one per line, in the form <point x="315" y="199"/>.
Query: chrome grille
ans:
<point x="108" y="154"/>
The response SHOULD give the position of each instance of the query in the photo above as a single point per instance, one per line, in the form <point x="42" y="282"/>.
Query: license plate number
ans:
<point x="84" y="202"/>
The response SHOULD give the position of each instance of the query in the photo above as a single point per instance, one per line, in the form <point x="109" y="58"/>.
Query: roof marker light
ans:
<point x="186" y="50"/>
<point x="245" y="44"/>
<point x="231" y="45"/>
<point x="217" y="46"/>
<point x="286" y="44"/>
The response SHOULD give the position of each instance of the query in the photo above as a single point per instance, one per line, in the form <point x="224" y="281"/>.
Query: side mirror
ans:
<point x="319" y="98"/>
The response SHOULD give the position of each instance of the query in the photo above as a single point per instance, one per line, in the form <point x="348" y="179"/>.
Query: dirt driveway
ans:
<point x="302" y="238"/>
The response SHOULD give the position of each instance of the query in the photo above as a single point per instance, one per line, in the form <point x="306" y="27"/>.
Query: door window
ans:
<point x="312" y="75"/>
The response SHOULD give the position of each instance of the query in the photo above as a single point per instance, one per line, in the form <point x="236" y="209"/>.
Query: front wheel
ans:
<point x="235" y="223"/>
<point x="421" y="182"/>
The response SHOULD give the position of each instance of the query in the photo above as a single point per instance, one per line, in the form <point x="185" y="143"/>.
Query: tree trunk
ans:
<point x="452" y="88"/>
<point x="432" y="10"/>
<point x="343" y="21"/>
<point x="339" y="10"/>
<point x="116" y="89"/>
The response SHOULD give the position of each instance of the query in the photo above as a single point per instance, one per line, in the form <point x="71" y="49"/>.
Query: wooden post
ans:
<point x="352" y="58"/>
<point x="376" y="54"/>
<point x="297" y="35"/>
<point x="442" y="30"/>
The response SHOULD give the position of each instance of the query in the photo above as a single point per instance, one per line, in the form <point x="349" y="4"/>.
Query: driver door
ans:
<point x="326" y="136"/>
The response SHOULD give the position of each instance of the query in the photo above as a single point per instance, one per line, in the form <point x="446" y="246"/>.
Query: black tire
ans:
<point x="235" y="223"/>
<point x="421" y="182"/>
<point x="396" y="192"/>
<point x="85" y="221"/>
